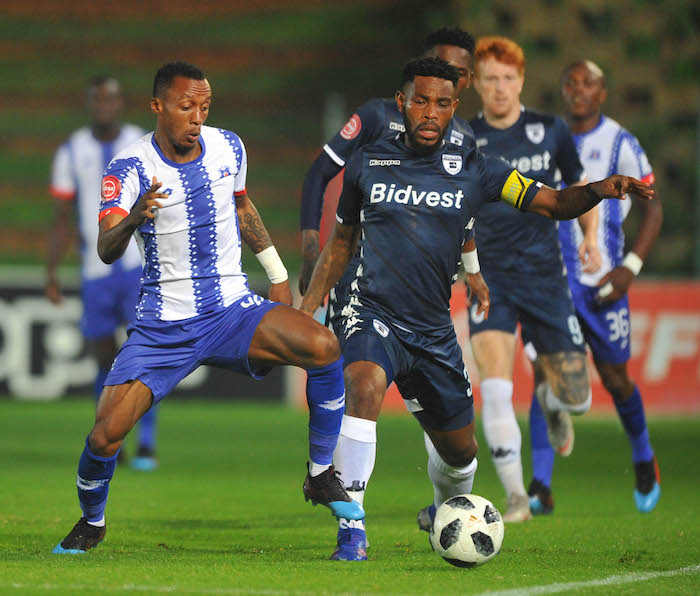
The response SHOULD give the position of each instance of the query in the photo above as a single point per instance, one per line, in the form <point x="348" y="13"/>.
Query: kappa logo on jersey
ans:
<point x="452" y="164"/>
<point x="397" y="126"/>
<point x="402" y="196"/>
<point x="111" y="187"/>
<point x="457" y="138"/>
<point x="352" y="128"/>
<point x="535" y="132"/>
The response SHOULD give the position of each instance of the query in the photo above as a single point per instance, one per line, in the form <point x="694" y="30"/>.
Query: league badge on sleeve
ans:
<point x="111" y="187"/>
<point x="535" y="132"/>
<point x="352" y="128"/>
<point x="452" y="164"/>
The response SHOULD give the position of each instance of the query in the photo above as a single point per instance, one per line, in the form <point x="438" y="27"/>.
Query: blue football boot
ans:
<point x="426" y="516"/>
<point x="352" y="545"/>
<point x="541" y="500"/>
<point x="145" y="460"/>
<point x="327" y="489"/>
<point x="648" y="486"/>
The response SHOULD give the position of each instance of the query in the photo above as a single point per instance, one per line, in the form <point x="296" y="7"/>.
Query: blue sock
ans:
<point x="631" y="412"/>
<point x="147" y="429"/>
<point x="542" y="452"/>
<point x="94" y="474"/>
<point x="325" y="394"/>
<point x="100" y="381"/>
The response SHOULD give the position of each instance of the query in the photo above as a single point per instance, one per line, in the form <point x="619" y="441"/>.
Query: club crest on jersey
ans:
<point x="224" y="171"/>
<point x="352" y="128"/>
<point x="111" y="187"/>
<point x="535" y="132"/>
<point x="452" y="164"/>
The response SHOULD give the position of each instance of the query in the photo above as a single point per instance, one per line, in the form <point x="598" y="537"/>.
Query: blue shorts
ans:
<point x="429" y="371"/>
<point x="109" y="302"/>
<point x="162" y="353"/>
<point x="542" y="306"/>
<point x="606" y="326"/>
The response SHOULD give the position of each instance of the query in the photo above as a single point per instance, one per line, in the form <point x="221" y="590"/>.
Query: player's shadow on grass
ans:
<point x="204" y="524"/>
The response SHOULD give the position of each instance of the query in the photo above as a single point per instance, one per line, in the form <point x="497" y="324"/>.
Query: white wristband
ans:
<point x="470" y="261"/>
<point x="633" y="262"/>
<point x="271" y="262"/>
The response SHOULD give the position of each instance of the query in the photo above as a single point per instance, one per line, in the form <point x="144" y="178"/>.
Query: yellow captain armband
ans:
<point x="514" y="189"/>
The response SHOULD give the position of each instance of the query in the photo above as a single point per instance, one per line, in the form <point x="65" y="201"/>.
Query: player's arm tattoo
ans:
<point x="567" y="375"/>
<point x="567" y="203"/>
<point x="331" y="264"/>
<point x="253" y="231"/>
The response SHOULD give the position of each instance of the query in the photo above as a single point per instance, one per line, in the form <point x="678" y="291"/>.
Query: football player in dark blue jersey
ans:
<point x="521" y="262"/>
<point x="407" y="202"/>
<point x="380" y="118"/>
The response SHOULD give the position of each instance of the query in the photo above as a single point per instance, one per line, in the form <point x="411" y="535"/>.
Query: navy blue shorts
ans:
<point x="541" y="304"/>
<point x="109" y="302"/>
<point x="606" y="326"/>
<point x="429" y="371"/>
<point x="162" y="353"/>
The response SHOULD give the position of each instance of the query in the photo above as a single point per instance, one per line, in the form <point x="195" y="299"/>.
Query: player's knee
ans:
<point x="323" y="347"/>
<point x="103" y="442"/>
<point x="618" y="385"/>
<point x="460" y="456"/>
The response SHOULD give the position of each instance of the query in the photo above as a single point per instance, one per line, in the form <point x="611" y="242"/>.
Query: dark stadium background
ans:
<point x="285" y="75"/>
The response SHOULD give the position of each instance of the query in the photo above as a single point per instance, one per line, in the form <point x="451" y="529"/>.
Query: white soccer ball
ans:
<point x="467" y="531"/>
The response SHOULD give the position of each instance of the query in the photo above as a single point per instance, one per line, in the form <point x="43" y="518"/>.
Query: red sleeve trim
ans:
<point x="649" y="178"/>
<point x="110" y="210"/>
<point x="240" y="193"/>
<point x="63" y="195"/>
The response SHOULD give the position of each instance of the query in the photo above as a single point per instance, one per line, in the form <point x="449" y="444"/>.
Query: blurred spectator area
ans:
<point x="273" y="64"/>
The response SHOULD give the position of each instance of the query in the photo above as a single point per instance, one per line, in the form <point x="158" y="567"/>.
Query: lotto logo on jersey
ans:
<point x="111" y="187"/>
<point x="352" y="128"/>
<point x="403" y="196"/>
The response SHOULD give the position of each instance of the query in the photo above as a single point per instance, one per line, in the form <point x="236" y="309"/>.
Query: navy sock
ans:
<point x="147" y="429"/>
<point x="631" y="412"/>
<point x="100" y="381"/>
<point x="542" y="451"/>
<point x="325" y="394"/>
<point x="94" y="474"/>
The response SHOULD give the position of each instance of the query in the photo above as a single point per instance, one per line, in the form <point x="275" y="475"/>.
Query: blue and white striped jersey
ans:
<point x="192" y="249"/>
<point x="606" y="150"/>
<point x="76" y="174"/>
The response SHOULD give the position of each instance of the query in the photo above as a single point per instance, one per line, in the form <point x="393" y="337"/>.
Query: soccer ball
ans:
<point x="467" y="531"/>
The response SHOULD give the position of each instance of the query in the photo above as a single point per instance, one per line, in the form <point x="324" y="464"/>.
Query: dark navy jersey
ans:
<point x="413" y="211"/>
<point x="539" y="146"/>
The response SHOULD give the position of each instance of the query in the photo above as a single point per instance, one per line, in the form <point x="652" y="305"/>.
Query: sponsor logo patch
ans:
<point x="384" y="162"/>
<point x="456" y="138"/>
<point x="380" y="328"/>
<point x="352" y="128"/>
<point x="111" y="187"/>
<point x="481" y="143"/>
<point x="452" y="164"/>
<point x="535" y="132"/>
<point x="397" y="126"/>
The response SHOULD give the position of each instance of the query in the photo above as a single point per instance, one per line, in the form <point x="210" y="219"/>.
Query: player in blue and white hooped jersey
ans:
<point x="407" y="202"/>
<point x="600" y="298"/>
<point x="374" y="120"/>
<point x="109" y="292"/>
<point x="521" y="263"/>
<point x="182" y="191"/>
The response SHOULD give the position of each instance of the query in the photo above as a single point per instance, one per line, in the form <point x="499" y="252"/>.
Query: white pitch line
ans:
<point x="613" y="580"/>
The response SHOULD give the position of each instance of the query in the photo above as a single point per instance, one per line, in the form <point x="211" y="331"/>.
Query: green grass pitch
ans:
<point x="224" y="513"/>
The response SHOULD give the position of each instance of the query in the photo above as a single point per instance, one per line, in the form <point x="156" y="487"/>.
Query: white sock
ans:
<point x="98" y="524"/>
<point x="447" y="480"/>
<point x="317" y="469"/>
<point x="503" y="433"/>
<point x="354" y="458"/>
<point x="553" y="403"/>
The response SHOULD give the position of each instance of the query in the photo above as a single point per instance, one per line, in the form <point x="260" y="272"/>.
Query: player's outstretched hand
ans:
<point x="311" y="252"/>
<point x="148" y="204"/>
<point x="281" y="292"/>
<point x="477" y="288"/>
<point x="616" y="187"/>
<point x="615" y="284"/>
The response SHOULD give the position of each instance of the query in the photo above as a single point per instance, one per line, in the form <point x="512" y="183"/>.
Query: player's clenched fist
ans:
<point x="145" y="208"/>
<point x="616" y="187"/>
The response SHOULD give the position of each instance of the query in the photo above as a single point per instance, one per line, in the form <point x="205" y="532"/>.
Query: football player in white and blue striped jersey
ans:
<point x="182" y="191"/>
<point x="600" y="298"/>
<point x="109" y="292"/>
